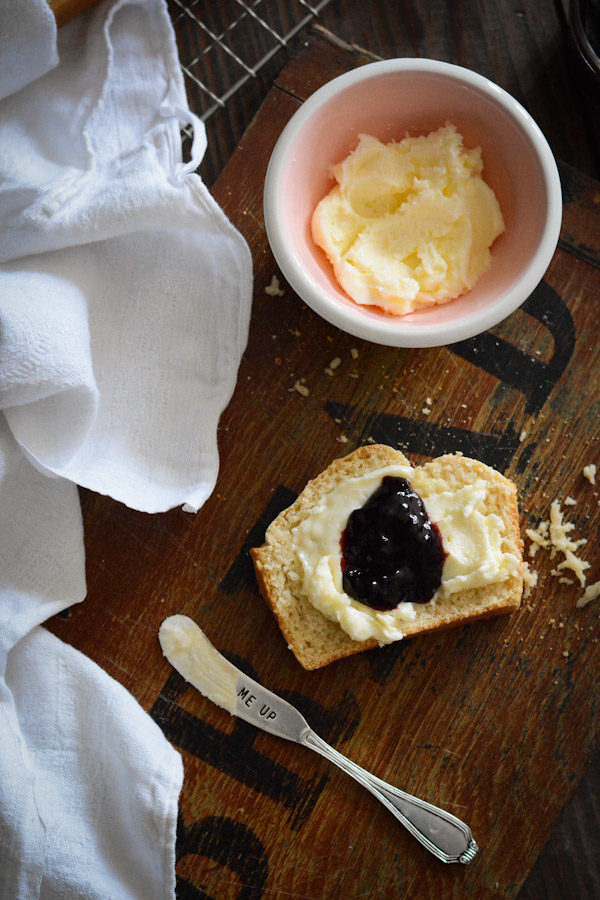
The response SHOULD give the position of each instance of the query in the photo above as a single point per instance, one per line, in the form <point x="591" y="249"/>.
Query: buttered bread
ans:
<point x="375" y="550"/>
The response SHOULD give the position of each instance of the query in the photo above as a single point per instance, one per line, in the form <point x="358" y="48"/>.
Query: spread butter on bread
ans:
<point x="473" y="507"/>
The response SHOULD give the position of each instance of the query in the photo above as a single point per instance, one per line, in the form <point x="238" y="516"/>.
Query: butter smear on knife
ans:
<point x="190" y="652"/>
<point x="409" y="224"/>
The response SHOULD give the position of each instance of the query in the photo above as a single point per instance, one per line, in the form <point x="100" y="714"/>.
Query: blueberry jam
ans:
<point x="391" y="550"/>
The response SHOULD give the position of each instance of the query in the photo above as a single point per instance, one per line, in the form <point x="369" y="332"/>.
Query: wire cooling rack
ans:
<point x="230" y="52"/>
<point x="226" y="43"/>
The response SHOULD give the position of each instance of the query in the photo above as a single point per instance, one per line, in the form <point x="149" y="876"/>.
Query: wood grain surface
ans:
<point x="496" y="721"/>
<point x="67" y="10"/>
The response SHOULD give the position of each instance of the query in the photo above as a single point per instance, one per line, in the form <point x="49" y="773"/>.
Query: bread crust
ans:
<point x="315" y="640"/>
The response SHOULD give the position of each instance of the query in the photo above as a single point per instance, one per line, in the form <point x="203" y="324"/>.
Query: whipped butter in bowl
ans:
<point x="479" y="230"/>
<point x="408" y="224"/>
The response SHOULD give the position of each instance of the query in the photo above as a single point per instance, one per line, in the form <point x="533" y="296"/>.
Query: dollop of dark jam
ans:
<point x="391" y="550"/>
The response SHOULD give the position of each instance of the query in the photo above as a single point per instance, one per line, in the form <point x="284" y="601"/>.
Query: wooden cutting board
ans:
<point x="495" y="721"/>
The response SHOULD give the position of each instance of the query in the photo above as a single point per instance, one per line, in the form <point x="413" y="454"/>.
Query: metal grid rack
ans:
<point x="224" y="44"/>
<point x="230" y="52"/>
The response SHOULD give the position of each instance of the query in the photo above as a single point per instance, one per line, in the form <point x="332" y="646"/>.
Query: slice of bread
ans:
<point x="316" y="640"/>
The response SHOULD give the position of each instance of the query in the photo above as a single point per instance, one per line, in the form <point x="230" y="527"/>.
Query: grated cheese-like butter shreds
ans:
<point x="554" y="534"/>
<point x="539" y="537"/>
<point x="562" y="543"/>
<point x="592" y="592"/>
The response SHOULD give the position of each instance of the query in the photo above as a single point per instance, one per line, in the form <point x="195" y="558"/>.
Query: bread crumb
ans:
<point x="333" y="365"/>
<point x="522" y="436"/>
<point x="592" y="592"/>
<point x="530" y="579"/>
<point x="354" y="353"/>
<point x="273" y="289"/>
<point x="426" y="411"/>
<point x="301" y="388"/>
<point x="342" y="439"/>
<point x="589" y="472"/>
<point x="570" y="501"/>
<point x="428" y="401"/>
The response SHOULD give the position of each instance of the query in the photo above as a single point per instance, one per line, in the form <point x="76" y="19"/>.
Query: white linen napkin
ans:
<point x="124" y="305"/>
<point x="27" y="44"/>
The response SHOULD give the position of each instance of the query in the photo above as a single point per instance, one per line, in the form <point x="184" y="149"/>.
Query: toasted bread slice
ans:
<point x="316" y="640"/>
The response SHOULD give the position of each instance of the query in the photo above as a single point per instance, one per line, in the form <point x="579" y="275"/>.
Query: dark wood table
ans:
<point x="497" y="722"/>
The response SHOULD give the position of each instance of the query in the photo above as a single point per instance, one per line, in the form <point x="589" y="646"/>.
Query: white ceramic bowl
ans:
<point x="388" y="100"/>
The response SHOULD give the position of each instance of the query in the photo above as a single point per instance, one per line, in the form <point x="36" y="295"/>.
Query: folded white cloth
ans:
<point x="120" y="347"/>
<point x="27" y="44"/>
<point x="124" y="305"/>
<point x="96" y="800"/>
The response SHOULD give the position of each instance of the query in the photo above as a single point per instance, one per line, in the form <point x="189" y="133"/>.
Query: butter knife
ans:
<point x="190" y="652"/>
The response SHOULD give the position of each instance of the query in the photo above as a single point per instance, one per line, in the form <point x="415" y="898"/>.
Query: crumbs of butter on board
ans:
<point x="273" y="289"/>
<point x="554" y="534"/>
<point x="530" y="579"/>
<point x="589" y="472"/>
<point x="592" y="592"/>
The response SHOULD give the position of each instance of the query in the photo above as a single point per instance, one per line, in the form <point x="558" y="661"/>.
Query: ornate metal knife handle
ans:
<point x="449" y="839"/>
